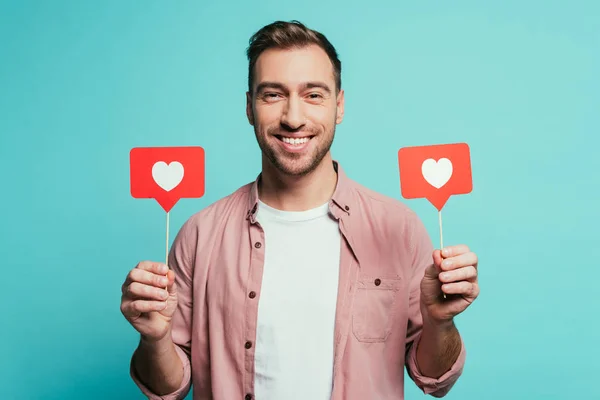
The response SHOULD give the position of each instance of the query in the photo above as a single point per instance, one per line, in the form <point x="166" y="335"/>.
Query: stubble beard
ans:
<point x="295" y="164"/>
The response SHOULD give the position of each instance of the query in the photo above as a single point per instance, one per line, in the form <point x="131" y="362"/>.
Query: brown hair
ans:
<point x="287" y="35"/>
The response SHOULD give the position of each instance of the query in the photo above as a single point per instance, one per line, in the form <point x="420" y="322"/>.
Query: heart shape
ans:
<point x="167" y="176"/>
<point x="437" y="173"/>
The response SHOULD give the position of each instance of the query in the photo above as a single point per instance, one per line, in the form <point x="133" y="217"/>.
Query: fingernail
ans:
<point x="164" y="281"/>
<point x="163" y="294"/>
<point x="446" y="252"/>
<point x="164" y="269"/>
<point x="447" y="263"/>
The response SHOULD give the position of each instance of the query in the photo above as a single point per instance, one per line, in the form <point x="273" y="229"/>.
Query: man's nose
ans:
<point x="293" y="116"/>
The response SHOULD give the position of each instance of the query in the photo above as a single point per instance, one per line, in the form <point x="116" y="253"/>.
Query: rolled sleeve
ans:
<point x="178" y="394"/>
<point x="437" y="387"/>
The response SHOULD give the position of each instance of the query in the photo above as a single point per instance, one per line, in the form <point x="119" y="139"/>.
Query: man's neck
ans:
<point x="297" y="193"/>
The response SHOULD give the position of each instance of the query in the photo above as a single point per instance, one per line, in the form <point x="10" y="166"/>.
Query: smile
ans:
<point x="294" y="143"/>
<point x="294" y="140"/>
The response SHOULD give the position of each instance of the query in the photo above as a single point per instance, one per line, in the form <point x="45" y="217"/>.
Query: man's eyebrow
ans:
<point x="321" y="85"/>
<point x="276" y="85"/>
<point x="270" y="85"/>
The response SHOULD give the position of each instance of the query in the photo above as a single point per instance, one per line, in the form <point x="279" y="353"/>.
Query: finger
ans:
<point x="154" y="267"/>
<point x="460" y="261"/>
<point x="466" y="289"/>
<point x="460" y="274"/>
<point x="437" y="258"/>
<point x="134" y="308"/>
<point x="138" y="290"/>
<point x="451" y="251"/>
<point x="455" y="304"/>
<point x="149" y="266"/>
<point x="147" y="278"/>
<point x="171" y="286"/>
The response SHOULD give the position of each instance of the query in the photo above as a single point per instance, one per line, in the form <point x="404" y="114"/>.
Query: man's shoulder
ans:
<point x="222" y="207"/>
<point x="387" y="217"/>
<point x="377" y="202"/>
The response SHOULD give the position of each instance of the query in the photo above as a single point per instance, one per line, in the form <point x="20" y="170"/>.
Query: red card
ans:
<point x="167" y="174"/>
<point x="435" y="172"/>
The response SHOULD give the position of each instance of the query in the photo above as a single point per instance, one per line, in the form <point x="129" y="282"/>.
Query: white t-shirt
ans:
<point x="296" y="311"/>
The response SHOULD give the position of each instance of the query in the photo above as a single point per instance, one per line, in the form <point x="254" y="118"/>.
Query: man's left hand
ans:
<point x="453" y="273"/>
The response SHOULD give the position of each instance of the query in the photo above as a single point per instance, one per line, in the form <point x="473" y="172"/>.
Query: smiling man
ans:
<point x="303" y="284"/>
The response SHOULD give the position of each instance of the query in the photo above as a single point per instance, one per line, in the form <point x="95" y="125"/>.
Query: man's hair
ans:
<point x="288" y="35"/>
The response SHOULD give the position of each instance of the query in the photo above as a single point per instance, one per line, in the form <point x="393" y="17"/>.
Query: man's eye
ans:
<point x="315" y="96"/>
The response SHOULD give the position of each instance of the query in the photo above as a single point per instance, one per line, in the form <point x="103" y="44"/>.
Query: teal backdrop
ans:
<point x="82" y="82"/>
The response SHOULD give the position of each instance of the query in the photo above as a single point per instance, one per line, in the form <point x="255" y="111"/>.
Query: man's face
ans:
<point x="294" y="108"/>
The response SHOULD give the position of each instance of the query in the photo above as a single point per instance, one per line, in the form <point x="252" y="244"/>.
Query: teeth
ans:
<point x="295" y="141"/>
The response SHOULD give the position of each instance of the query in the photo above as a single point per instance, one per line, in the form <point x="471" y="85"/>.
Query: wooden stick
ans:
<point x="167" y="243"/>
<point x="167" y="248"/>
<point x="441" y="235"/>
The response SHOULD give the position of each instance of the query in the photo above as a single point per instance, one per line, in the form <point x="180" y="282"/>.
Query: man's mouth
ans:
<point x="294" y="141"/>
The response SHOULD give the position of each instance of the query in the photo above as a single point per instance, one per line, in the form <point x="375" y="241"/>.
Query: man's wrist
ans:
<point x="156" y="346"/>
<point x="436" y="325"/>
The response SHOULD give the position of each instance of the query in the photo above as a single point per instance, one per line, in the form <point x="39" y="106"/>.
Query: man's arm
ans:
<point x="438" y="349"/>
<point x="162" y="368"/>
<point x="158" y="366"/>
<point x="435" y="353"/>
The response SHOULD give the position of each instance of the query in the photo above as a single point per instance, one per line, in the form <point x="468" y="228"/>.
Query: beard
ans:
<point x="295" y="164"/>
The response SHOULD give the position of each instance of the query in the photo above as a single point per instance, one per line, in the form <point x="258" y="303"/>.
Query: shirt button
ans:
<point x="248" y="397"/>
<point x="248" y="345"/>
<point x="252" y="295"/>
<point x="347" y="208"/>
<point x="257" y="245"/>
<point x="377" y="282"/>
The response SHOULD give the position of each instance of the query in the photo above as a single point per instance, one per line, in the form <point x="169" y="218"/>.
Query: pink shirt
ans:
<point x="218" y="256"/>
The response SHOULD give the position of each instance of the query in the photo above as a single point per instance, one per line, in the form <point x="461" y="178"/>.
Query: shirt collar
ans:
<point x="339" y="204"/>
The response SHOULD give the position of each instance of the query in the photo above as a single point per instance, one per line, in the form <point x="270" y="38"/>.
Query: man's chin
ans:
<point x="295" y="170"/>
<point x="295" y="167"/>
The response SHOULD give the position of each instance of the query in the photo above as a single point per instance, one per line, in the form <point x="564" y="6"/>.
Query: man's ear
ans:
<point x="249" y="112"/>
<point x="340" y="107"/>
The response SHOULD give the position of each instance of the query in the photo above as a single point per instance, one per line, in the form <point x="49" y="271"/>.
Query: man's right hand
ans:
<point x="149" y="299"/>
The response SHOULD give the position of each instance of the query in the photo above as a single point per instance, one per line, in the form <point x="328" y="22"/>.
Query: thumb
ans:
<point x="434" y="268"/>
<point x="438" y="258"/>
<point x="171" y="286"/>
<point x="431" y="272"/>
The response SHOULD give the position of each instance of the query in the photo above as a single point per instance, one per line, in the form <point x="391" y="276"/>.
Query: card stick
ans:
<point x="441" y="235"/>
<point x="167" y="243"/>
<point x="167" y="246"/>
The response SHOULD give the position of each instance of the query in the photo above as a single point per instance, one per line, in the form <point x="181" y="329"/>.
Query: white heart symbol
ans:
<point x="167" y="176"/>
<point x="437" y="174"/>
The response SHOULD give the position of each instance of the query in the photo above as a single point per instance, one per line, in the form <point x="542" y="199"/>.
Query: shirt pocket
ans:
<point x="375" y="307"/>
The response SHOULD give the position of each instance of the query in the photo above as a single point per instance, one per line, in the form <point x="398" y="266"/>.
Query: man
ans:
<point x="302" y="284"/>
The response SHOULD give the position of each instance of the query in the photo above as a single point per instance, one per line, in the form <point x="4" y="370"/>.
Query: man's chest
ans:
<point x="300" y="272"/>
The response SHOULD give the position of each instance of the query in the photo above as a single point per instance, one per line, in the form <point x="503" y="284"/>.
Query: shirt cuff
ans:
<point x="178" y="394"/>
<point x="436" y="387"/>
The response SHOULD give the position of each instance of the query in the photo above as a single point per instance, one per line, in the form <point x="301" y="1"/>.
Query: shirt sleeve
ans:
<point x="178" y="394"/>
<point x="422" y="250"/>
<point x="181" y="261"/>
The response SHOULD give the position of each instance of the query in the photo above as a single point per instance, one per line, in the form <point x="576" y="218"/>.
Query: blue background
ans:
<point x="81" y="83"/>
